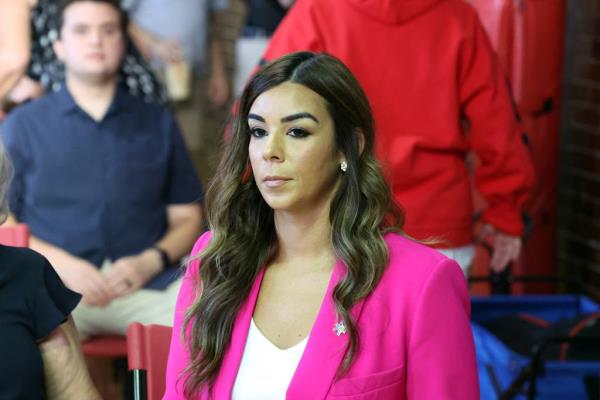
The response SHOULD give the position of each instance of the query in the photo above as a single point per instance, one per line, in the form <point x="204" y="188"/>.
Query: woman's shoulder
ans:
<point x="21" y="256"/>
<point x="412" y="261"/>
<point x="402" y="246"/>
<point x="31" y="280"/>
<point x="193" y="264"/>
<point x="21" y="264"/>
<point x="201" y="243"/>
<point x="414" y="267"/>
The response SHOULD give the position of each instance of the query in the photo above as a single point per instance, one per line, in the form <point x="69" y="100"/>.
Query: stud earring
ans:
<point x="344" y="166"/>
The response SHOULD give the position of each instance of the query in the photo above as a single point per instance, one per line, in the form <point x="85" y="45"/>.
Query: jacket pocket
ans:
<point x="387" y="384"/>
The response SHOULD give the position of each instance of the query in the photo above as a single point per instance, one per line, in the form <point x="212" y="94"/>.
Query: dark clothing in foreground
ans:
<point x="33" y="302"/>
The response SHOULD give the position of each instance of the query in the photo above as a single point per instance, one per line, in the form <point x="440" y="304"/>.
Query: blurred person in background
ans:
<point x="437" y="94"/>
<point x="263" y="17"/>
<point x="29" y="66"/>
<point x="182" y="39"/>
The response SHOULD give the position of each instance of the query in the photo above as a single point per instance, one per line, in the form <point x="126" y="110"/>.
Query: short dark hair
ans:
<point x="116" y="4"/>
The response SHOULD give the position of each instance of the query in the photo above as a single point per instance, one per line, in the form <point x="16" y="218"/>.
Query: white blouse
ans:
<point x="265" y="371"/>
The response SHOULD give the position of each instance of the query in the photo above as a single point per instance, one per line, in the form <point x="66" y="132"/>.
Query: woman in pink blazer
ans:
<point x="306" y="288"/>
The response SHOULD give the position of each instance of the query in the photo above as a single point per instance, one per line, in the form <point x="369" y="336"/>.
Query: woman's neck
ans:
<point x="304" y="235"/>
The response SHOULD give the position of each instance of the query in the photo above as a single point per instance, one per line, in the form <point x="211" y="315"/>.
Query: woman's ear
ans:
<point x="360" y="139"/>
<point x="360" y="133"/>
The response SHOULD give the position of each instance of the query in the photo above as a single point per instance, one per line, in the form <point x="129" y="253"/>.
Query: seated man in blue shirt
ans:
<point x="103" y="180"/>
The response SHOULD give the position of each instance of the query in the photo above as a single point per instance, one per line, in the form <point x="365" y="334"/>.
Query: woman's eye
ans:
<point x="298" y="133"/>
<point x="258" y="132"/>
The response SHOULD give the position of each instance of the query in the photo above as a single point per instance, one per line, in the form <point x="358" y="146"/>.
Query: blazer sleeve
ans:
<point x="178" y="352"/>
<point x="441" y="354"/>
<point x="504" y="173"/>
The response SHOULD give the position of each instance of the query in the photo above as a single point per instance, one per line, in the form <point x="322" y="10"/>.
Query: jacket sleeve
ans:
<point x="178" y="352"/>
<point x="504" y="173"/>
<point x="441" y="354"/>
<point x="298" y="31"/>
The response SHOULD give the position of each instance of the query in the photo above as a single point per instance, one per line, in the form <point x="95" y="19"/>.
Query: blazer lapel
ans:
<point x="324" y="350"/>
<point x="225" y="380"/>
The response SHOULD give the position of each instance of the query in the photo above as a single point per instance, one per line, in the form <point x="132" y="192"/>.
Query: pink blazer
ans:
<point x="415" y="337"/>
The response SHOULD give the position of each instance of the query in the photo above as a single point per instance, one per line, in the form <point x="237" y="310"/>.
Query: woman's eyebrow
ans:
<point x="299" y="116"/>
<point x="256" y="117"/>
<point x="289" y="118"/>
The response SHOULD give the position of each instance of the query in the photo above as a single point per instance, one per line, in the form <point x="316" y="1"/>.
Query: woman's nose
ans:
<point x="274" y="148"/>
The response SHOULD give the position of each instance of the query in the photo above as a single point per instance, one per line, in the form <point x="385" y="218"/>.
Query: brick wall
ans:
<point x="579" y="168"/>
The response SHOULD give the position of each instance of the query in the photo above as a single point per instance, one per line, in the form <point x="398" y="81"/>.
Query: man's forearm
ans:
<point x="217" y="54"/>
<point x="185" y="225"/>
<point x="142" y="39"/>
<point x="53" y="253"/>
<point x="57" y="256"/>
<point x="217" y="57"/>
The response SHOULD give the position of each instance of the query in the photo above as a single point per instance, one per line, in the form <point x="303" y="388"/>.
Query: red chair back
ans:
<point x="107" y="346"/>
<point x="16" y="236"/>
<point x="147" y="353"/>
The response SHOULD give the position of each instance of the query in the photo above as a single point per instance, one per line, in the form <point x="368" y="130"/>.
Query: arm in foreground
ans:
<point x="65" y="371"/>
<point x="14" y="43"/>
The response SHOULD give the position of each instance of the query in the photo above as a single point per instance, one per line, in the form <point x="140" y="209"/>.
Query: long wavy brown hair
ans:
<point x="242" y="224"/>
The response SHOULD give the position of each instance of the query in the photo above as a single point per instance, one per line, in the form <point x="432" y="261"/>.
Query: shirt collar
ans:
<point x="65" y="101"/>
<point x="67" y="104"/>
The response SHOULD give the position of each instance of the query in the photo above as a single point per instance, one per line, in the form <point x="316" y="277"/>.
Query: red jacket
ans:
<point x="426" y="64"/>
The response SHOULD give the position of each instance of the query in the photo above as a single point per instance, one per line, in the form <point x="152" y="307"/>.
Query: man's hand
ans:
<point x="167" y="50"/>
<point x="128" y="274"/>
<point x="507" y="248"/>
<point x="83" y="277"/>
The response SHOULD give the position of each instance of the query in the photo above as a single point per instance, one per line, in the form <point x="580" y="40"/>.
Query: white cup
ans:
<point x="178" y="79"/>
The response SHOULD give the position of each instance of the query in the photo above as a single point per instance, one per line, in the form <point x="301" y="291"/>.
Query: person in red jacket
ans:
<point x="437" y="94"/>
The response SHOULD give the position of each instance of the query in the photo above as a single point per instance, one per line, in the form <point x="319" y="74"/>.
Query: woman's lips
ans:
<point x="275" y="181"/>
